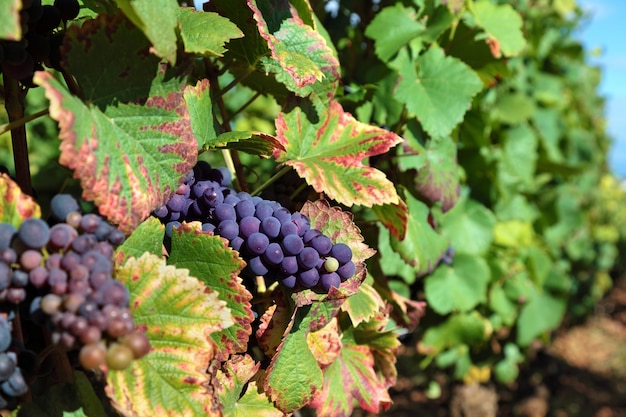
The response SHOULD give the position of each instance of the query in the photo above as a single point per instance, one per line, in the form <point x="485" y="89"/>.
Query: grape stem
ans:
<point x="17" y="123"/>
<point x="14" y="104"/>
<point x="272" y="179"/>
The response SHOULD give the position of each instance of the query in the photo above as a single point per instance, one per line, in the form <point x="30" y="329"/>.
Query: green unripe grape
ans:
<point x="119" y="357"/>
<point x="331" y="264"/>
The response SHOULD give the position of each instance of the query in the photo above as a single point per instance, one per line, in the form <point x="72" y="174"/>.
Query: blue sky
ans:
<point x="607" y="30"/>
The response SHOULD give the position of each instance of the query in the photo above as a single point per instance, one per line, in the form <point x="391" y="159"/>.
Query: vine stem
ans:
<point x="234" y="82"/>
<point x="14" y="104"/>
<point x="272" y="179"/>
<point x="17" y="123"/>
<point x="246" y="104"/>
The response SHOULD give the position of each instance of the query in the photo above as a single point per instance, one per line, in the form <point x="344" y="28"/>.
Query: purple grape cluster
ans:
<point x="274" y="242"/>
<point x="12" y="382"/>
<point x="65" y="272"/>
<point x="41" y="42"/>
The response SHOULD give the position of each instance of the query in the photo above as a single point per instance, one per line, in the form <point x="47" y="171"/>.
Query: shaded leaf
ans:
<point x="129" y="159"/>
<point x="274" y="323"/>
<point x="157" y="19"/>
<point x="469" y="227"/>
<point x="255" y="143"/>
<point x="171" y="380"/>
<point x="328" y="154"/>
<point x="210" y="259"/>
<point x="460" y="287"/>
<point x="464" y="328"/>
<point x="543" y="312"/>
<point x="438" y="89"/>
<point x="15" y="206"/>
<point x="197" y="39"/>
<point x="405" y="26"/>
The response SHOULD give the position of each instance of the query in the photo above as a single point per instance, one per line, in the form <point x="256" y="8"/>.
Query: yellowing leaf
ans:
<point x="15" y="206"/>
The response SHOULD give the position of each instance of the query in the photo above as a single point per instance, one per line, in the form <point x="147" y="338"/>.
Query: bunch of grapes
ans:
<point x="274" y="242"/>
<point x="41" y="41"/>
<point x="64" y="273"/>
<point x="12" y="382"/>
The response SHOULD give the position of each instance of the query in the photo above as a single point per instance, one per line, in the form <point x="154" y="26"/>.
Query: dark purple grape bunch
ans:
<point x="274" y="242"/>
<point x="42" y="28"/>
<point x="12" y="382"/>
<point x="67" y="270"/>
<point x="448" y="255"/>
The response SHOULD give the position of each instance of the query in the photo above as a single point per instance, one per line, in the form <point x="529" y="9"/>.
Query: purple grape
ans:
<point x="248" y="225"/>
<point x="289" y="265"/>
<point x="262" y="210"/>
<point x="226" y="176"/>
<point x="201" y="170"/>
<point x="236" y="243"/>
<point x="61" y="236"/>
<point x="170" y="226"/>
<point x="309" y="278"/>
<point x="244" y="208"/>
<point x="63" y="204"/>
<point x="113" y="293"/>
<point x="224" y="211"/>
<point x="341" y="252"/>
<point x="15" y="386"/>
<point x="257" y="266"/>
<point x="200" y="187"/>
<point x="257" y="243"/>
<point x="292" y="244"/>
<point x="5" y="334"/>
<point x="176" y="203"/>
<point x="116" y="237"/>
<point x="213" y="196"/>
<point x="208" y="227"/>
<point x="231" y="199"/>
<point x="322" y="244"/>
<point x="19" y="278"/>
<point x="302" y="222"/>
<point x="310" y="235"/>
<point x="289" y="281"/>
<point x="346" y="271"/>
<point x="228" y="229"/>
<point x="34" y="233"/>
<point x="270" y="226"/>
<point x="161" y="212"/>
<point x="7" y="366"/>
<point x="70" y="261"/>
<point x="85" y="243"/>
<point x="282" y="214"/>
<point x="7" y="232"/>
<point x="308" y="258"/>
<point x="8" y="256"/>
<point x="289" y="228"/>
<point x="328" y="280"/>
<point x="273" y="254"/>
<point x="6" y="276"/>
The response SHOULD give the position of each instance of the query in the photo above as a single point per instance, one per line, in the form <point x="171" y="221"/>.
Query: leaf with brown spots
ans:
<point x="129" y="158"/>
<point x="171" y="380"/>
<point x="15" y="206"/>
<point x="328" y="153"/>
<point x="210" y="259"/>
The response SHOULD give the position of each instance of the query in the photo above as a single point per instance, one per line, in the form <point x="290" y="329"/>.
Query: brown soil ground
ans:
<point x="581" y="374"/>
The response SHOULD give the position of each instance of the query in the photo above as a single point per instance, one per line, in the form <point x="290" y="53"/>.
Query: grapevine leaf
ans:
<point x="422" y="247"/>
<point x="210" y="259"/>
<point x="358" y="374"/>
<point x="148" y="237"/>
<point x="77" y="395"/>
<point x="406" y="312"/>
<point x="171" y="380"/>
<point x="325" y="343"/>
<point x="438" y="91"/>
<point x="465" y="328"/>
<point x="469" y="226"/>
<point x="129" y="158"/>
<point x="391" y="263"/>
<point x="328" y="154"/>
<point x="363" y="305"/>
<point x="235" y="378"/>
<point x="437" y="178"/>
<point x="255" y="143"/>
<point x="15" y="206"/>
<point x="197" y="39"/>
<point x="543" y="312"/>
<point x="274" y="323"/>
<point x="405" y="26"/>
<point x="110" y="59"/>
<point x="10" y="26"/>
<point x="157" y="19"/>
<point x="294" y="375"/>
<point x="394" y="217"/>
<point x="300" y="57"/>
<point x="460" y="287"/>
<point x="502" y="24"/>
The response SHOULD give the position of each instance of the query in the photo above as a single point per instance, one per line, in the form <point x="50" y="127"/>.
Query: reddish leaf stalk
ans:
<point x="14" y="104"/>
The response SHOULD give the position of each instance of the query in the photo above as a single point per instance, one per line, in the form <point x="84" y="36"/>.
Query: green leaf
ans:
<point x="15" y="206"/>
<point x="422" y="247"/>
<point x="394" y="217"/>
<point x="502" y="305"/>
<point x="514" y="234"/>
<point x="363" y="305"/>
<point x="543" y="312"/>
<point x="460" y="287"/>
<point x="59" y="398"/>
<point x="148" y="237"/>
<point x="405" y="26"/>
<point x="436" y="88"/>
<point x="179" y="314"/>
<point x="469" y="226"/>
<point x="391" y="263"/>
<point x="464" y="328"/>
<point x="157" y="19"/>
<point x="238" y="393"/>
<point x="254" y="143"/>
<point x="293" y="375"/>
<point x="519" y="157"/>
<point x="328" y="154"/>
<point x="10" y="26"/>
<point x="502" y="24"/>
<point x="197" y="39"/>
<point x="210" y="259"/>
<point x="513" y="108"/>
<point x="129" y="158"/>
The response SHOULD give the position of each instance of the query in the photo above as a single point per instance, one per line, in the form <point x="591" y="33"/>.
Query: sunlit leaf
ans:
<point x="15" y="206"/>
<point x="405" y="26"/>
<point x="503" y="25"/>
<point x="10" y="26"/>
<point x="197" y="39"/>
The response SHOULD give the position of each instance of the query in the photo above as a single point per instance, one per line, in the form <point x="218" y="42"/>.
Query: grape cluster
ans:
<point x="41" y="42"/>
<point x="12" y="382"/>
<point x="64" y="272"/>
<point x="274" y="242"/>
